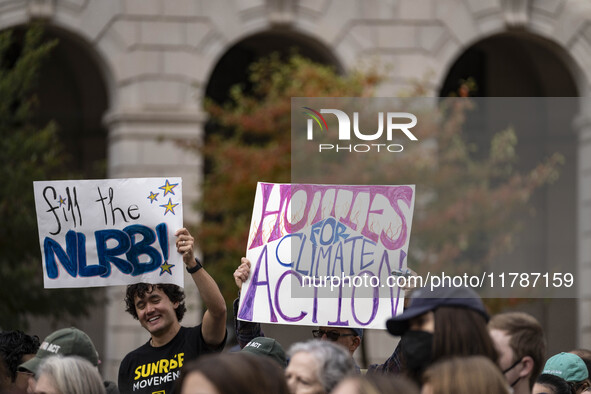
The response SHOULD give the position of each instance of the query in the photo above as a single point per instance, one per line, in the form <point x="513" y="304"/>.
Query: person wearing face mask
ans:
<point x="519" y="339"/>
<point x="441" y="322"/>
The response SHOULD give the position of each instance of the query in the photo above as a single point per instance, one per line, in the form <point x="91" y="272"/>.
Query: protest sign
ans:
<point x="325" y="254"/>
<point x="109" y="232"/>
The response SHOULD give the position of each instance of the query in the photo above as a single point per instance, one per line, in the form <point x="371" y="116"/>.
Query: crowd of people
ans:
<point x="448" y="344"/>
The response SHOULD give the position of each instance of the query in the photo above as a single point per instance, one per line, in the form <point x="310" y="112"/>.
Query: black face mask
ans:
<point x="416" y="349"/>
<point x="510" y="368"/>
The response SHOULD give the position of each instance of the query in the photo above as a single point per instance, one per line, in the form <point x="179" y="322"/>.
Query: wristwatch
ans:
<point x="196" y="268"/>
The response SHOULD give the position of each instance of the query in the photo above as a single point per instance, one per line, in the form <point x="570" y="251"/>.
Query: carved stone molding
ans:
<point x="41" y="9"/>
<point x="516" y="12"/>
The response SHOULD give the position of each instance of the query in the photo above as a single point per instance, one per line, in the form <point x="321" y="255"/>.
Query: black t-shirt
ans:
<point x="153" y="370"/>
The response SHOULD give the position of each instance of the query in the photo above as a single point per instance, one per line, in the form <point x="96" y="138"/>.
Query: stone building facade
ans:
<point x="135" y="72"/>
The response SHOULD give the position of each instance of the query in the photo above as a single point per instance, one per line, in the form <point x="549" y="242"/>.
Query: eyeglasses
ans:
<point x="331" y="335"/>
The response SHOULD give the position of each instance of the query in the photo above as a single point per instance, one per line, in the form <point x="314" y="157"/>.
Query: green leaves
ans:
<point x="27" y="153"/>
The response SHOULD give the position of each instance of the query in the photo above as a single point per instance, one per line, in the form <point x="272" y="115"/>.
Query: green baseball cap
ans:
<point x="267" y="347"/>
<point x="66" y="342"/>
<point x="567" y="366"/>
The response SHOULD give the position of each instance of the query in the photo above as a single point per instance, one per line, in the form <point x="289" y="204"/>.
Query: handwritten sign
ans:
<point x="109" y="232"/>
<point x="324" y="254"/>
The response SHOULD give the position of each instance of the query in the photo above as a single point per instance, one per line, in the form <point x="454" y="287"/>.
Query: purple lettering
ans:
<point x="366" y="230"/>
<point x="247" y="309"/>
<point x="277" y="303"/>
<point x="404" y="194"/>
<point x="338" y="321"/>
<point x="290" y="190"/>
<point x="376" y="303"/>
<point x="267" y="188"/>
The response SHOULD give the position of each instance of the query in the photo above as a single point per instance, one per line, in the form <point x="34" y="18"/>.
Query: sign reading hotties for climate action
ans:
<point x="324" y="254"/>
<point x="109" y="232"/>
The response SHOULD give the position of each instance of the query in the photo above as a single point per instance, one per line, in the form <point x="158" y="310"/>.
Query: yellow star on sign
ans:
<point x="168" y="188"/>
<point x="153" y="196"/>
<point x="169" y="207"/>
<point x="166" y="268"/>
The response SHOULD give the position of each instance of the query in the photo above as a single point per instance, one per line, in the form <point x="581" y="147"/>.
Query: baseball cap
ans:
<point x="427" y="299"/>
<point x="567" y="366"/>
<point x="357" y="331"/>
<point x="267" y="347"/>
<point x="67" y="342"/>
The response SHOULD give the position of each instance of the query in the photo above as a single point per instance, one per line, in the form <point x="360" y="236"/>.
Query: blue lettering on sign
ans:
<point x="328" y="232"/>
<point x="127" y="246"/>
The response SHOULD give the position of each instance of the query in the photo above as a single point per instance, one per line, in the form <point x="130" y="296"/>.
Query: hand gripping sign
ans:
<point x="324" y="254"/>
<point x="109" y="232"/>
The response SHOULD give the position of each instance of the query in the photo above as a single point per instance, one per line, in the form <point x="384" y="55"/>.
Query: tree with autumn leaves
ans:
<point x="469" y="198"/>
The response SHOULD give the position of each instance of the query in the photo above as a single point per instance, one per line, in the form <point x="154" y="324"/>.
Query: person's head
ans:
<point x="519" y="340"/>
<point x="68" y="375"/>
<point x="16" y="347"/>
<point x="156" y="306"/>
<point x="571" y="368"/>
<point x="585" y="355"/>
<point x="429" y="299"/>
<point x="376" y="384"/>
<point x="267" y="347"/>
<point x="551" y="384"/>
<point x="231" y="373"/>
<point x="349" y="338"/>
<point x="64" y="342"/>
<point x="441" y="322"/>
<point x="316" y="367"/>
<point x="464" y="375"/>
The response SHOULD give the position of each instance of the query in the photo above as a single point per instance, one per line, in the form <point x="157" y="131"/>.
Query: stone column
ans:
<point x="145" y="144"/>
<point x="583" y="127"/>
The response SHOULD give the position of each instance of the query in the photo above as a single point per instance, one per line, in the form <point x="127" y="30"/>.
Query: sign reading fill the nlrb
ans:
<point x="109" y="232"/>
<point x="324" y="254"/>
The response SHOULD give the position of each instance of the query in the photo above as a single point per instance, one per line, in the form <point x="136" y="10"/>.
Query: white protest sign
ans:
<point x="324" y="254"/>
<point x="109" y="232"/>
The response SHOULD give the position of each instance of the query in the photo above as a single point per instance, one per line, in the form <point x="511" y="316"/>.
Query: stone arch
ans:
<point x="73" y="92"/>
<point x="514" y="65"/>
<point x="86" y="89"/>
<point x="510" y="57"/>
<point x="232" y="65"/>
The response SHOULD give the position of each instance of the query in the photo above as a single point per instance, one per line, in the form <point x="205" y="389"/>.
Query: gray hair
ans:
<point x="334" y="362"/>
<point x="72" y="375"/>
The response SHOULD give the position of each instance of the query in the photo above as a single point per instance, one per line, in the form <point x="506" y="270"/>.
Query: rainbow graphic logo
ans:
<point x="315" y="115"/>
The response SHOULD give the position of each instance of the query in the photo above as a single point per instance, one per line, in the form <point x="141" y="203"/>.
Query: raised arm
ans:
<point x="245" y="330"/>
<point x="213" y="327"/>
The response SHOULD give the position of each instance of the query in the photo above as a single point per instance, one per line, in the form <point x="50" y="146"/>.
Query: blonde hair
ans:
<point x="465" y="375"/>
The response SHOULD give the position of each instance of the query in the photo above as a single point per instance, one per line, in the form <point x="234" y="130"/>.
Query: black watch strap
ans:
<point x="196" y="268"/>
